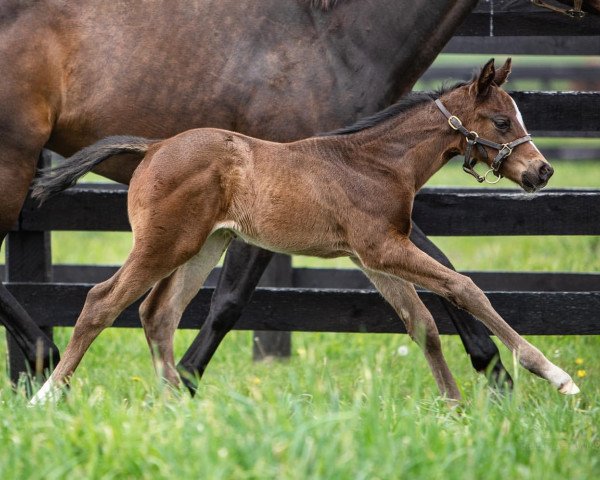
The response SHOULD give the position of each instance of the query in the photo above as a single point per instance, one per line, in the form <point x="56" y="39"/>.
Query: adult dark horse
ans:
<point x="75" y="73"/>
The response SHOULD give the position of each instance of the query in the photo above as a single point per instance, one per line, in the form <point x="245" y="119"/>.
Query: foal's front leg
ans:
<point x="481" y="349"/>
<point x="398" y="256"/>
<point x="403" y="297"/>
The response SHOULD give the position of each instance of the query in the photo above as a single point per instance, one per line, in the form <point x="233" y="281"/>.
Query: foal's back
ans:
<point x="301" y="197"/>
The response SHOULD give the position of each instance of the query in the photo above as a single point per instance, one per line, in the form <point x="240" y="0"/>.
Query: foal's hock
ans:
<point x="348" y="193"/>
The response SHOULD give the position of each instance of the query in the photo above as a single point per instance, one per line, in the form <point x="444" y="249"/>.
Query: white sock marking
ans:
<point x="48" y="392"/>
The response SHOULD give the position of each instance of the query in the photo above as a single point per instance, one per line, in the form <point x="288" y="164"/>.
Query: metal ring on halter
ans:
<point x="498" y="178"/>
<point x="473" y="136"/>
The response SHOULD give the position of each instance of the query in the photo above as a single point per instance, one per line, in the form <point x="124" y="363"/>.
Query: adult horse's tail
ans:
<point x="55" y="180"/>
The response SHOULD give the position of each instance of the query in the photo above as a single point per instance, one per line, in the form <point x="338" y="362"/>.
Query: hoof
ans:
<point x="188" y="378"/>
<point x="49" y="393"/>
<point x="569" y="388"/>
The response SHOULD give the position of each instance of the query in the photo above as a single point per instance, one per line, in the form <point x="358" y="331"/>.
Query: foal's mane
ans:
<point x="406" y="103"/>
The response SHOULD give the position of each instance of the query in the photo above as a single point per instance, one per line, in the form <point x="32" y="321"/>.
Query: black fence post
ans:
<point x="268" y="344"/>
<point x="28" y="259"/>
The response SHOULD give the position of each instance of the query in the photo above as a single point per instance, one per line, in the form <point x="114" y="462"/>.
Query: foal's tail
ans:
<point x="54" y="180"/>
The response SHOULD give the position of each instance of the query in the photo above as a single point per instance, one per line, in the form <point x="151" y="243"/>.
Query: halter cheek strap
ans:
<point x="474" y="140"/>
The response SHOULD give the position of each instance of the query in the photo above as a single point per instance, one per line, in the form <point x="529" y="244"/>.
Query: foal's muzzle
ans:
<point x="532" y="181"/>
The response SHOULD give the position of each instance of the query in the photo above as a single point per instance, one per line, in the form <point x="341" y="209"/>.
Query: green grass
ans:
<point x="344" y="406"/>
<point x="472" y="62"/>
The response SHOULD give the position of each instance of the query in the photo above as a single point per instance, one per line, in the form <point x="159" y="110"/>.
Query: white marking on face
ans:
<point x="520" y="119"/>
<point x="519" y="116"/>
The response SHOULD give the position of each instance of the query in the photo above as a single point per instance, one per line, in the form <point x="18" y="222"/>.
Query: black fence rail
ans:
<point x="342" y="300"/>
<point x="332" y="310"/>
<point x="438" y="211"/>
<point x="517" y="27"/>
<point x="508" y="18"/>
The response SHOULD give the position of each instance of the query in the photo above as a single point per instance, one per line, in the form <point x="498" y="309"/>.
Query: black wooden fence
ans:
<point x="342" y="300"/>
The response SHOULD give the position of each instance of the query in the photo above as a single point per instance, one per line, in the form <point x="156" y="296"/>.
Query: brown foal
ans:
<point x="349" y="193"/>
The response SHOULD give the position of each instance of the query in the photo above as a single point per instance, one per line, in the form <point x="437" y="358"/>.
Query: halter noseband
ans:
<point x="473" y="139"/>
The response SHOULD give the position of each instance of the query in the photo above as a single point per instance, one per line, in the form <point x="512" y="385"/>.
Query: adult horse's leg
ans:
<point x="161" y="311"/>
<point x="483" y="352"/>
<point x="243" y="267"/>
<point x="17" y="167"/>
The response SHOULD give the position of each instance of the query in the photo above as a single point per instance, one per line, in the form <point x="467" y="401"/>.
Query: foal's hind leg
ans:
<point x="156" y="254"/>
<point x="162" y="309"/>
<point x="402" y="296"/>
<point x="474" y="336"/>
<point x="103" y="304"/>
<point x="243" y="267"/>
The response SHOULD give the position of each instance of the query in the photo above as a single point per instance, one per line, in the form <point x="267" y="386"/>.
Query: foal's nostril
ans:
<point x="545" y="172"/>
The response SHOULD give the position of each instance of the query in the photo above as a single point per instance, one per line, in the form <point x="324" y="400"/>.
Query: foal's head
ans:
<point x="493" y="131"/>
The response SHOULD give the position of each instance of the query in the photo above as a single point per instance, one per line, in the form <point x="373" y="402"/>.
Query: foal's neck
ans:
<point x="415" y="143"/>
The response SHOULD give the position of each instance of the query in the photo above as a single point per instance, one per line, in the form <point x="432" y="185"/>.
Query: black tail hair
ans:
<point x="51" y="181"/>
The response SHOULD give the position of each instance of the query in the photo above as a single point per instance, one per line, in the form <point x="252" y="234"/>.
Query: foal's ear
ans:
<point x="502" y="73"/>
<point x="485" y="78"/>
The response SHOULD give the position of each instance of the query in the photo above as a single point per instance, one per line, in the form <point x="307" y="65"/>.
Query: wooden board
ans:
<point x="339" y="278"/>
<point x="439" y="211"/>
<point x="499" y="18"/>
<point x="535" y="313"/>
<point x="533" y="45"/>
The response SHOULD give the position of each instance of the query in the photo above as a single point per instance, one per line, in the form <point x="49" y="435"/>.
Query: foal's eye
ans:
<point x="502" y="124"/>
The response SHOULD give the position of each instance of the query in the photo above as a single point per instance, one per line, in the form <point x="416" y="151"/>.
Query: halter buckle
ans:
<point x="454" y="122"/>
<point x="505" y="150"/>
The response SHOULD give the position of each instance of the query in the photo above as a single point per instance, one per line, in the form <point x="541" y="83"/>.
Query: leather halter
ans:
<point x="575" y="12"/>
<point x="473" y="139"/>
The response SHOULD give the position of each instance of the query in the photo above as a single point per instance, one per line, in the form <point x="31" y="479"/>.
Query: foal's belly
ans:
<point x="292" y="243"/>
